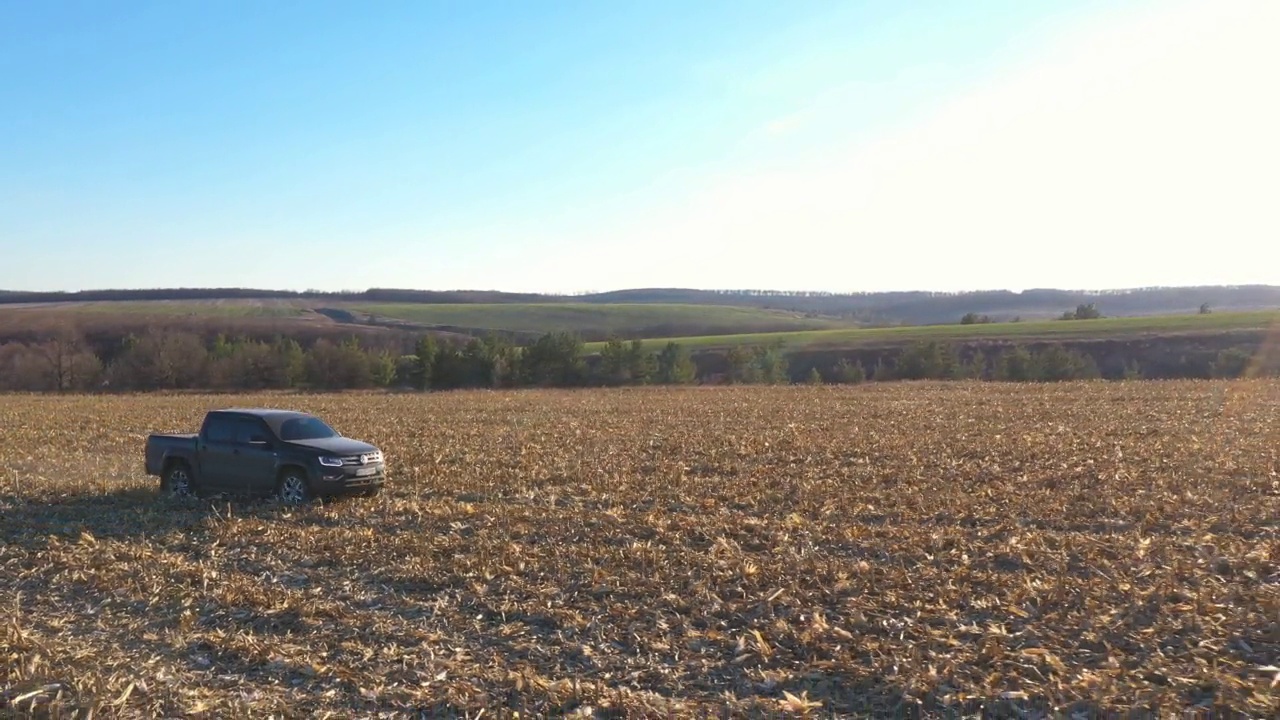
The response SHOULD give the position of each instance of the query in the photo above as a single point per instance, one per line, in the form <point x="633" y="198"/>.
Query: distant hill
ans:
<point x="374" y="295"/>
<point x="1162" y="331"/>
<point x="928" y="308"/>
<point x="882" y="308"/>
<point x="591" y="321"/>
<point x="517" y="322"/>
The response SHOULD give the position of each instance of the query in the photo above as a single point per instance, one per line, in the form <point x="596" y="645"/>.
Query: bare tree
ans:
<point x="60" y="353"/>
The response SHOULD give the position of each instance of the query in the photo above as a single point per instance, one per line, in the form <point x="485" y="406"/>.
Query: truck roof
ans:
<point x="275" y="418"/>
<point x="263" y="413"/>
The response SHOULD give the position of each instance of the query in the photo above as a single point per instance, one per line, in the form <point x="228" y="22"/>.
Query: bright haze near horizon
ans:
<point x="577" y="146"/>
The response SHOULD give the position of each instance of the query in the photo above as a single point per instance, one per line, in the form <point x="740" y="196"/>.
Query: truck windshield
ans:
<point x="305" y="428"/>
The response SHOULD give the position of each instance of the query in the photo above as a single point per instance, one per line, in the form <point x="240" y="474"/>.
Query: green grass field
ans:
<point x="1040" y="329"/>
<point x="583" y="317"/>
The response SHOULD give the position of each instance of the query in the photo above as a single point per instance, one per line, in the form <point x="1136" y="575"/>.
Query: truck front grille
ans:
<point x="372" y="458"/>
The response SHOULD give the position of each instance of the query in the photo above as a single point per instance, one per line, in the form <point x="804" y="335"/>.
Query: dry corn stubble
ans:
<point x="651" y="551"/>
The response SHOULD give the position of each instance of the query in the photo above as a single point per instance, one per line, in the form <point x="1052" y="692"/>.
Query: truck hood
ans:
<point x="336" y="445"/>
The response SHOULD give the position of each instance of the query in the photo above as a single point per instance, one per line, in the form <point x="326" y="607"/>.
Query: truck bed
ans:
<point x="162" y="446"/>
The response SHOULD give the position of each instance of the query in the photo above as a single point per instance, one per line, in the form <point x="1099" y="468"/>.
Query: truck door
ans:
<point x="215" y="453"/>
<point x="255" y="457"/>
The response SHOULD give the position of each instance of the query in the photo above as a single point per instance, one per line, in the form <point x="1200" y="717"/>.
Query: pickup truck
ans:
<point x="294" y="456"/>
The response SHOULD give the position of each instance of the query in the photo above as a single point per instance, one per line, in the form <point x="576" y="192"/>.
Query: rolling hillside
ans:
<point x="1101" y="328"/>
<point x="588" y="319"/>
<point x="227" y="308"/>
<point x="517" y="321"/>
<point x="933" y="308"/>
<point x="886" y="308"/>
<point x="700" y="319"/>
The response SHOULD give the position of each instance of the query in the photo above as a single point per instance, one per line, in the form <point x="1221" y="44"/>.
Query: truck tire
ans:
<point x="177" y="481"/>
<point x="293" y="488"/>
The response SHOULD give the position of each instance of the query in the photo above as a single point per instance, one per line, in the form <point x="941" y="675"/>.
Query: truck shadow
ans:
<point x="121" y="514"/>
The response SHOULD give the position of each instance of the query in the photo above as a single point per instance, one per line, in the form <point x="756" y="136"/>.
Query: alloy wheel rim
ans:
<point x="292" y="490"/>
<point x="179" y="484"/>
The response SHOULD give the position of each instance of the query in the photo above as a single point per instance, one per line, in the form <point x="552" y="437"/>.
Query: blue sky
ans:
<point x="577" y="146"/>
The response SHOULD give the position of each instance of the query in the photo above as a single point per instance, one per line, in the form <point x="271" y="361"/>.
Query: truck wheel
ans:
<point x="293" y="488"/>
<point x="177" y="482"/>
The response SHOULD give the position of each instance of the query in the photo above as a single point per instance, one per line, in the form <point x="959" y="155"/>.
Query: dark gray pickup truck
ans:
<point x="292" y="455"/>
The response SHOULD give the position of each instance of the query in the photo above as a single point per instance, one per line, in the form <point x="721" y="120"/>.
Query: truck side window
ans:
<point x="249" y="429"/>
<point x="221" y="430"/>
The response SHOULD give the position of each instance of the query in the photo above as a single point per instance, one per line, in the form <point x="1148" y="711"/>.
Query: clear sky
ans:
<point x="583" y="145"/>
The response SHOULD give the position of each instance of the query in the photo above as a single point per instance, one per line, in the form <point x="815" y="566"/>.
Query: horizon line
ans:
<point x="589" y="293"/>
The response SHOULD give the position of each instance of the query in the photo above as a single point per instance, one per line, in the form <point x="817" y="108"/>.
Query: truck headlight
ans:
<point x="331" y="461"/>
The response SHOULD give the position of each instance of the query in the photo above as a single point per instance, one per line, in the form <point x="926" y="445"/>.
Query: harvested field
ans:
<point x="886" y="550"/>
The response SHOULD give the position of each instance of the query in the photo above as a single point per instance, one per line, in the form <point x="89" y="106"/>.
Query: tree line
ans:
<point x="174" y="360"/>
<point x="1053" y="362"/>
<point x="169" y="360"/>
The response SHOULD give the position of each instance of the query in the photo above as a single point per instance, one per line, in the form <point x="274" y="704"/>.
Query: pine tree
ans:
<point x="615" y="362"/>
<point x="674" y="367"/>
<point x="850" y="372"/>
<point x="426" y="353"/>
